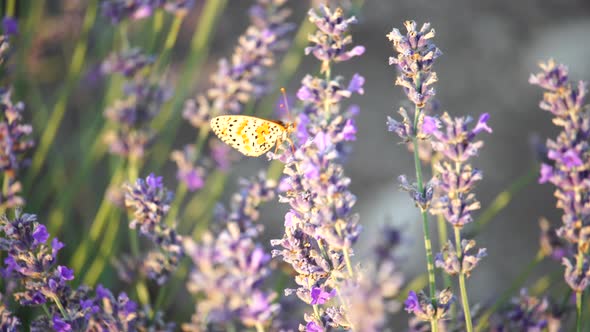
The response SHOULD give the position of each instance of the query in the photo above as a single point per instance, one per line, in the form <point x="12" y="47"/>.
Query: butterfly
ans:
<point x="250" y="135"/>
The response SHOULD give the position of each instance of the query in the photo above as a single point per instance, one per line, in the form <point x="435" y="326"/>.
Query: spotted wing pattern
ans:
<point x="250" y="135"/>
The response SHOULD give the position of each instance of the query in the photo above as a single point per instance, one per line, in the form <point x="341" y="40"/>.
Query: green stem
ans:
<point x="82" y="251"/>
<point x="59" y="110"/>
<point x="61" y="308"/>
<point x="464" y="298"/>
<point x="10" y="8"/>
<point x="579" y="316"/>
<point x="104" y="251"/>
<point x="132" y="172"/>
<point x="425" y="225"/>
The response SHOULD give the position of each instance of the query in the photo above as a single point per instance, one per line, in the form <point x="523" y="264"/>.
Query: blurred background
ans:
<point x="489" y="50"/>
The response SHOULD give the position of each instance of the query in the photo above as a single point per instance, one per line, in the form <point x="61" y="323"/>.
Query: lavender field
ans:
<point x="283" y="165"/>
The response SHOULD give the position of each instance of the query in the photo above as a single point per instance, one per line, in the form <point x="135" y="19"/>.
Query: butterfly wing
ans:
<point x="250" y="135"/>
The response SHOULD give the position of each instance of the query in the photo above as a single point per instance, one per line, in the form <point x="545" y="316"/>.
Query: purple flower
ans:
<point x="150" y="201"/>
<point x="65" y="273"/>
<point x="328" y="43"/>
<point x="412" y="303"/>
<point x="230" y="266"/>
<point x="569" y="173"/>
<point x="416" y="55"/>
<point x="320" y="226"/>
<point x="132" y="116"/>
<point x="10" y="26"/>
<point x="456" y="176"/>
<point x="528" y="313"/>
<point x="127" y="63"/>
<point x="453" y="264"/>
<point x="59" y="325"/>
<point x="349" y="130"/>
<point x="188" y="173"/>
<point x="320" y="296"/>
<point x="426" y="309"/>
<point x="429" y="125"/>
<point x="243" y="77"/>
<point x="313" y="327"/>
<point x="356" y="84"/>
<point x="40" y="234"/>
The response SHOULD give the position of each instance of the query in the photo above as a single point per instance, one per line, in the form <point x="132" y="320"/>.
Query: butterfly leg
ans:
<point x="291" y="144"/>
<point x="279" y="142"/>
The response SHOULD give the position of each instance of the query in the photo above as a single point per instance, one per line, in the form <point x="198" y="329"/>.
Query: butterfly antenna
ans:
<point x="285" y="104"/>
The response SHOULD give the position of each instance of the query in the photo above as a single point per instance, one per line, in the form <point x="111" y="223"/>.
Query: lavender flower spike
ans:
<point x="243" y="77"/>
<point x="321" y="227"/>
<point x="230" y="267"/>
<point x="150" y="202"/>
<point x="570" y="170"/>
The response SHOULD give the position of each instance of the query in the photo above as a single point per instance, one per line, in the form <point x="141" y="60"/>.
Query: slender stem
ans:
<point x="61" y="307"/>
<point x="82" y="251"/>
<point x="464" y="298"/>
<point x="579" y="317"/>
<point x="425" y="225"/>
<point x="46" y="310"/>
<point x="59" y="110"/>
<point x="10" y="8"/>
<point x="133" y="171"/>
<point x="259" y="327"/>
<point x="104" y="251"/>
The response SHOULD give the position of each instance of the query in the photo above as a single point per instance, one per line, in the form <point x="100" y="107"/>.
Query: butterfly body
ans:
<point x="250" y="135"/>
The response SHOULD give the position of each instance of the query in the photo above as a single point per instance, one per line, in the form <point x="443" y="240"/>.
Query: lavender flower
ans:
<point x="150" y="202"/>
<point x="243" y="77"/>
<point x="132" y="117"/>
<point x="15" y="143"/>
<point x="119" y="10"/>
<point x="453" y="264"/>
<point x="416" y="55"/>
<point x="127" y="63"/>
<point x="457" y="178"/>
<point x="551" y="244"/>
<point x="191" y="175"/>
<point x="329" y="43"/>
<point x="8" y="322"/>
<point x="528" y="313"/>
<point x="320" y="228"/>
<point x="425" y="309"/>
<point x="570" y="170"/>
<point x="230" y="267"/>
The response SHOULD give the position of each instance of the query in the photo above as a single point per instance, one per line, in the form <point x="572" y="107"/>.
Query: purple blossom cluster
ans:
<point x="372" y="294"/>
<point x="569" y="170"/>
<point x="15" y="139"/>
<point x="457" y="178"/>
<point x="230" y="266"/>
<point x="238" y="81"/>
<point x="120" y="10"/>
<point x="16" y="142"/>
<point x="244" y="77"/>
<point x="528" y="313"/>
<point x="131" y="116"/>
<point x="320" y="228"/>
<point x="33" y="277"/>
<point x="150" y="201"/>
<point x="425" y="309"/>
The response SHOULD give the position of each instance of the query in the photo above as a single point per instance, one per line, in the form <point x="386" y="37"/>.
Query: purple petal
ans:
<point x="40" y="234"/>
<point x="482" y="124"/>
<point x="356" y="84"/>
<point x="65" y="273"/>
<point x="546" y="173"/>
